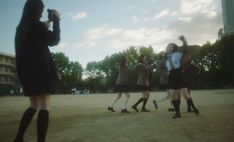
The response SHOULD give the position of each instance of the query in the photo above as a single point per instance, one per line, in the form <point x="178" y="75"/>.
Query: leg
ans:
<point x="43" y="118"/>
<point x="137" y="103"/>
<point x="187" y="96"/>
<point x="27" y="118"/>
<point x="161" y="99"/>
<point x="176" y="103"/>
<point x="124" y="110"/>
<point x="171" y="107"/>
<point x="110" y="108"/>
<point x="189" y="100"/>
<point x="145" y="96"/>
<point x="173" y="97"/>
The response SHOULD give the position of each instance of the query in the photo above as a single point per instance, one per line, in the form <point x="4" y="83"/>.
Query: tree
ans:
<point x="70" y="73"/>
<point x="95" y="77"/>
<point x="215" y="64"/>
<point x="211" y="67"/>
<point x="227" y="59"/>
<point x="110" y="66"/>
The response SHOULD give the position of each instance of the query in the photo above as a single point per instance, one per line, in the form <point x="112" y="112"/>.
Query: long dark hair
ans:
<point x="123" y="61"/>
<point x="174" y="47"/>
<point x="141" y="59"/>
<point x="29" y="14"/>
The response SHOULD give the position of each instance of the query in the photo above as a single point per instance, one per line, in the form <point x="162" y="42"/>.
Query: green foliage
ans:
<point x="95" y="80"/>
<point x="212" y="66"/>
<point x="227" y="60"/>
<point x="215" y="64"/>
<point x="105" y="72"/>
<point x="70" y="73"/>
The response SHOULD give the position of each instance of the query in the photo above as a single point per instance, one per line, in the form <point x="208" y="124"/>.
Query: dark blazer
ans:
<point x="35" y="66"/>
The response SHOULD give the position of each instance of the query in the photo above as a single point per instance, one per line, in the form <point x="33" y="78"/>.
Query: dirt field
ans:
<point x="75" y="118"/>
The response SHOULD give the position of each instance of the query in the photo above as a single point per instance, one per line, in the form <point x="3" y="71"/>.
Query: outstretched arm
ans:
<point x="182" y="38"/>
<point x="185" y="45"/>
<point x="53" y="37"/>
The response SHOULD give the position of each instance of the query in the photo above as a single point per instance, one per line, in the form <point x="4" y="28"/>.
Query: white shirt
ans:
<point x="173" y="61"/>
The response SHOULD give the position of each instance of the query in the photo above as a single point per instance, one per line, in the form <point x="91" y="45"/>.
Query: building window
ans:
<point x="1" y="79"/>
<point x="1" y="59"/>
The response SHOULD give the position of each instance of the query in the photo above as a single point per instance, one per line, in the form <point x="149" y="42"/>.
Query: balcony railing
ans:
<point x="7" y="73"/>
<point x="7" y="64"/>
<point x="7" y="82"/>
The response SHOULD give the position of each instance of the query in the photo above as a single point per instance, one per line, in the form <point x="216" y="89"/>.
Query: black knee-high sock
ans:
<point x="42" y="125"/>
<point x="178" y="106"/>
<point x="144" y="103"/>
<point x="24" y="123"/>
<point x="174" y="104"/>
<point x="190" y="101"/>
<point x="188" y="106"/>
<point x="138" y="102"/>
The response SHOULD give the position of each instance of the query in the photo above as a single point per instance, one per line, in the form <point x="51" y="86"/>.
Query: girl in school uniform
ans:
<point x="176" y="82"/>
<point x="143" y="70"/>
<point x="35" y="67"/>
<point x="163" y="81"/>
<point x="121" y="86"/>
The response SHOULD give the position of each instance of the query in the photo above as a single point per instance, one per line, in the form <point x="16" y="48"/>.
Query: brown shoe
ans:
<point x="125" y="111"/>
<point x="177" y="115"/>
<point x="144" y="110"/>
<point x="111" y="109"/>
<point x="135" y="108"/>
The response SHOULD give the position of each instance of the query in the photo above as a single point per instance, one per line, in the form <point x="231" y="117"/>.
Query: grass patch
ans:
<point x="75" y="118"/>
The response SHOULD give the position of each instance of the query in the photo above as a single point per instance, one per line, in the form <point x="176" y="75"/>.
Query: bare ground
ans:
<point x="75" y="118"/>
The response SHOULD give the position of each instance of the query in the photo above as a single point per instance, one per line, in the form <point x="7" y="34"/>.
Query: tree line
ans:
<point x="212" y="66"/>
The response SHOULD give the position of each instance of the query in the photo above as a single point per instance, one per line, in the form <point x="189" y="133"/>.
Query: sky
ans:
<point x="94" y="29"/>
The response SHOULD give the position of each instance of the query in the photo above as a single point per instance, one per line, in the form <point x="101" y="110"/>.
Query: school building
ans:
<point x="228" y="16"/>
<point x="9" y="84"/>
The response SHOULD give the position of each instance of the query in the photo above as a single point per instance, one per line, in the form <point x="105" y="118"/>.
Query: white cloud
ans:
<point x="135" y="19"/>
<point x="79" y="15"/>
<point x="185" y="19"/>
<point x="162" y="14"/>
<point x="87" y="43"/>
<point x="124" y="38"/>
<point x="141" y="37"/>
<point x="63" y="45"/>
<point x="105" y="40"/>
<point x="199" y="28"/>
<point x="189" y="7"/>
<point x="210" y="13"/>
<point x="130" y="7"/>
<point x="197" y="20"/>
<point x="147" y="19"/>
<point x="100" y="32"/>
<point x="174" y="13"/>
<point x="144" y="12"/>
